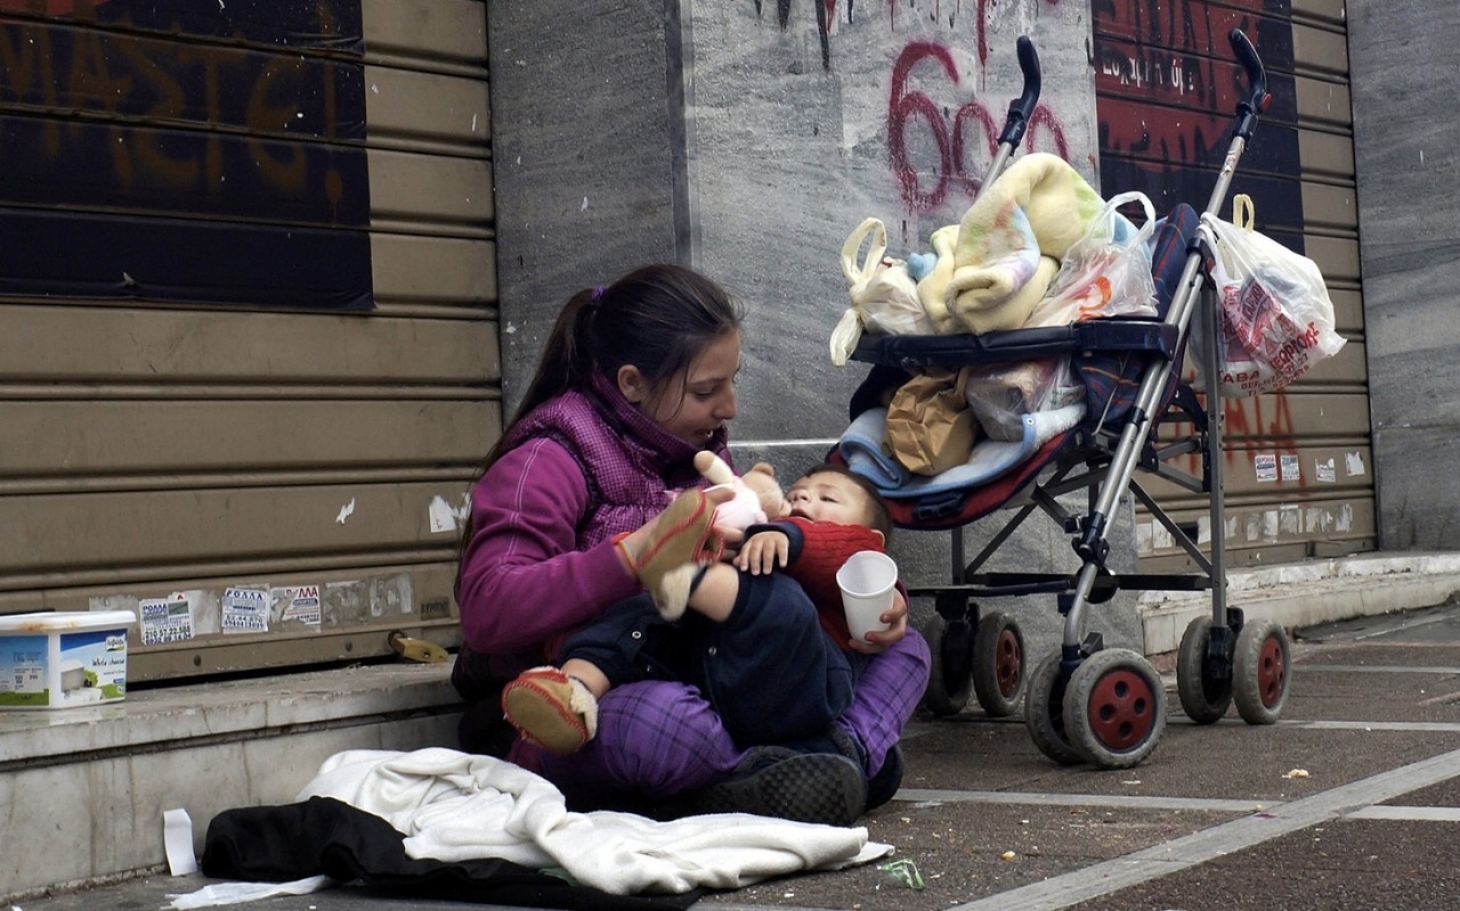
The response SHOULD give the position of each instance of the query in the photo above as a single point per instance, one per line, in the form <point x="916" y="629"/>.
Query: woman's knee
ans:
<point x="661" y="738"/>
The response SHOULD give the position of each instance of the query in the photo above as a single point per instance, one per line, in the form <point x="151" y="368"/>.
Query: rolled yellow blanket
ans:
<point x="1010" y="241"/>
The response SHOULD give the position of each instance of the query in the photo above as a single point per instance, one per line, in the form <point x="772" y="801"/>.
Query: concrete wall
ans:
<point x="750" y="145"/>
<point x="1409" y="217"/>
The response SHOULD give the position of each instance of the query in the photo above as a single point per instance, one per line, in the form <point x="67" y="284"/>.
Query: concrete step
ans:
<point x="84" y="789"/>
<point x="1309" y="593"/>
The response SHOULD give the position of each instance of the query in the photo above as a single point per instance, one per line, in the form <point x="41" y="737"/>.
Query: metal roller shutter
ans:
<point x="1299" y="469"/>
<point x="248" y="348"/>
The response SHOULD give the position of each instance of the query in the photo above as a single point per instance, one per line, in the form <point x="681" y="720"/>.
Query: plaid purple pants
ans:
<point x="659" y="739"/>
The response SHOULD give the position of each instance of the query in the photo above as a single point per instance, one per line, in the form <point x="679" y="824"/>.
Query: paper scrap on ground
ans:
<point x="177" y="839"/>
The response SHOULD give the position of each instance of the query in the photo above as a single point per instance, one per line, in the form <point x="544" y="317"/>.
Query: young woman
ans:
<point x="635" y="379"/>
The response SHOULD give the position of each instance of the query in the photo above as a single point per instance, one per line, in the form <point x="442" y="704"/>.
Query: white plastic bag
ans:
<point x="1000" y="395"/>
<point x="1275" y="319"/>
<point x="884" y="296"/>
<point x="1107" y="272"/>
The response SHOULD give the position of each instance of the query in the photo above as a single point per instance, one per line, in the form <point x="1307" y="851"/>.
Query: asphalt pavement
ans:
<point x="1350" y="801"/>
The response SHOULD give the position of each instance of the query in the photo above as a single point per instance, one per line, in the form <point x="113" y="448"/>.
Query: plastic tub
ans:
<point x="63" y="660"/>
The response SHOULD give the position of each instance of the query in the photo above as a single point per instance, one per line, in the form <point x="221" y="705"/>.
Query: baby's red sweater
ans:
<point x="817" y="551"/>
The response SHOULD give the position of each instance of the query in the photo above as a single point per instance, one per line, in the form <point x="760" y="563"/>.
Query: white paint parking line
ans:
<point x="1181" y="853"/>
<point x="1437" y="726"/>
<point x="1376" y="669"/>
<point x="1408" y="814"/>
<point x="933" y="797"/>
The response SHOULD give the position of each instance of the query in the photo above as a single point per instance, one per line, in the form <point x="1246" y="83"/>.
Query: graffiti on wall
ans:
<point x="183" y="152"/>
<point x="962" y="141"/>
<point x="941" y="132"/>
<point x="825" y="11"/>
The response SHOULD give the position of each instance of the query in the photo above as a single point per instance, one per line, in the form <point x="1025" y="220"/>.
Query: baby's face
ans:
<point x="828" y="497"/>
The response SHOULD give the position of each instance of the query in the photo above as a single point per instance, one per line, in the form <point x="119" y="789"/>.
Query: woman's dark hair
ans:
<point x="879" y="518"/>
<point x="658" y="318"/>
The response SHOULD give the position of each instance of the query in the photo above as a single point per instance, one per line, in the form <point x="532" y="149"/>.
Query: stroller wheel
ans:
<point x="1260" y="672"/>
<point x="1044" y="712"/>
<point x="1204" y="698"/>
<point x="951" y="646"/>
<point x="1115" y="709"/>
<point x="998" y="664"/>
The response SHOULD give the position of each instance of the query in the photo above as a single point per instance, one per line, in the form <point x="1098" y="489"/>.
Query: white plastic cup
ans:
<point x="866" y="581"/>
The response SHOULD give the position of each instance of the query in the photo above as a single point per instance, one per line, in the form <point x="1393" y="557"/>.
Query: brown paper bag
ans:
<point x="930" y="427"/>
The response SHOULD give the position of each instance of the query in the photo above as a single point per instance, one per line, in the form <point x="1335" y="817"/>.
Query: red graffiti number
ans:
<point x="972" y="121"/>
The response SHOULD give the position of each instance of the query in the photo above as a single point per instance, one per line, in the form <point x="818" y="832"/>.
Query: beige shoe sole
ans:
<point x="551" y="709"/>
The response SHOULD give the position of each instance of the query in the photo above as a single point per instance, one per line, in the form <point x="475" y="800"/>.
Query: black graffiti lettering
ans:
<point x="264" y="111"/>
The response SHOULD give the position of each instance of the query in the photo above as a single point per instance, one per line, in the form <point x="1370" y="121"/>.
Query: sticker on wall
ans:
<point x="444" y="517"/>
<point x="295" y="604"/>
<point x="392" y="596"/>
<point x="167" y="619"/>
<point x="1265" y="464"/>
<point x="1353" y="463"/>
<point x="245" y="610"/>
<point x="1289" y="464"/>
<point x="345" y="603"/>
<point x="1325" y="470"/>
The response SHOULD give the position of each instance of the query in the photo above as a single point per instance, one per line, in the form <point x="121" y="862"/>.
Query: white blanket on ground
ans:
<point x="455" y="806"/>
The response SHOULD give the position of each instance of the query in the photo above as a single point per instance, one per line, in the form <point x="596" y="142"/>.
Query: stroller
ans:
<point x="1086" y="702"/>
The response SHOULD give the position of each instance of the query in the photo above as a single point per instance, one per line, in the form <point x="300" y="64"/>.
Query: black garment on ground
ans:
<point x="324" y="836"/>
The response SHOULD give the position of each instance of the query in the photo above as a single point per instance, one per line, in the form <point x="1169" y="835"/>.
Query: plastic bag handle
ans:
<point x="868" y="267"/>
<point x="1120" y="199"/>
<point x="1115" y="202"/>
<point x="1244" y="216"/>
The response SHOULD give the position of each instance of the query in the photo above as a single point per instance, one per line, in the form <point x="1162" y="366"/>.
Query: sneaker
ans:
<point x="551" y="709"/>
<point x="823" y="788"/>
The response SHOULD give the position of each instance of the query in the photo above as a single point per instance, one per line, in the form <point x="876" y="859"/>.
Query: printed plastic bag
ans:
<point x="884" y="297"/>
<point x="1107" y="272"/>
<point x="1275" y="319"/>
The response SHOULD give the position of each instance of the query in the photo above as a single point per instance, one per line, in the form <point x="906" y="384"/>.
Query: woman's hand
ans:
<point x="896" y="619"/>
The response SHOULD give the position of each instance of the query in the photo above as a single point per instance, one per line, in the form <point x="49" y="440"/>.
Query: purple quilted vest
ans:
<point x="634" y="468"/>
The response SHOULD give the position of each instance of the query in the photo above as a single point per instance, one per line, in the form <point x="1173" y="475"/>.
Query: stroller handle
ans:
<point x="1022" y="108"/>
<point x="1257" y="97"/>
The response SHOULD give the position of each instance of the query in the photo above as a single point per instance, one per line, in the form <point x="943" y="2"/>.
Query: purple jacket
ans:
<point x="540" y="560"/>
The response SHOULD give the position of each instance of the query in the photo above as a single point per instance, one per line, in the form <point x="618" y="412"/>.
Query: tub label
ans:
<point x="23" y="671"/>
<point x="93" y="666"/>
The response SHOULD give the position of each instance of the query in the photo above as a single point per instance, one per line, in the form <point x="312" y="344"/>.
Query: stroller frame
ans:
<point x="1086" y="702"/>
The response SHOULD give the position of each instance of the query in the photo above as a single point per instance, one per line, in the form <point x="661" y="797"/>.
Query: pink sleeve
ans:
<point x="522" y="582"/>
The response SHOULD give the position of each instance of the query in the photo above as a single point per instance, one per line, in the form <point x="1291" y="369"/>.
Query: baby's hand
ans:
<point x="763" y="552"/>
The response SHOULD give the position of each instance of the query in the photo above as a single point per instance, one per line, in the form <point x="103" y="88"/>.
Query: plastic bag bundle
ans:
<point x="1107" y="272"/>
<point x="1001" y="395"/>
<point x="1275" y="318"/>
<point x="884" y="296"/>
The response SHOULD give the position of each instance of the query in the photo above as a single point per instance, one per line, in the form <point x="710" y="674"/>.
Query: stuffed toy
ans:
<point x="762" y="479"/>
<point x="758" y="497"/>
